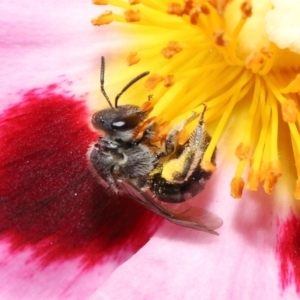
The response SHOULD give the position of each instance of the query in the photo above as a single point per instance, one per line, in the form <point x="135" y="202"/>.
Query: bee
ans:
<point x="133" y="157"/>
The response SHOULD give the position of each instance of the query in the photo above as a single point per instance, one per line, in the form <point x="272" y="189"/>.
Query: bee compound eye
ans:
<point x="126" y="123"/>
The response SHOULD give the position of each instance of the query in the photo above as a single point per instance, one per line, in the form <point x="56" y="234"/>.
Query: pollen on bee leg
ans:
<point x="152" y="81"/>
<point x="237" y="186"/>
<point x="104" y="19"/>
<point x="274" y="171"/>
<point x="132" y="58"/>
<point x="242" y="151"/>
<point x="290" y="111"/>
<point x="132" y="15"/>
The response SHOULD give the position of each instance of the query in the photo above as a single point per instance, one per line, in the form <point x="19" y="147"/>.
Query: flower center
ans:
<point x="223" y="53"/>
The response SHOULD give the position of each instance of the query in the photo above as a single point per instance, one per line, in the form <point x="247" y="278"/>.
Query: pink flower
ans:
<point x="62" y="237"/>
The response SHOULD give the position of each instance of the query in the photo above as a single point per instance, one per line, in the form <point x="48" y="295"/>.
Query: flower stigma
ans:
<point x="228" y="55"/>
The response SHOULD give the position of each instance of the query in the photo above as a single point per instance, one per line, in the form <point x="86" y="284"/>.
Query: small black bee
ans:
<point x="134" y="158"/>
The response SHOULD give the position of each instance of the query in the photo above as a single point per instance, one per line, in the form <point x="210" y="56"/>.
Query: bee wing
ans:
<point x="181" y="214"/>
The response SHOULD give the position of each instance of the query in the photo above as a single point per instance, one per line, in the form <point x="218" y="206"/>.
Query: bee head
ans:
<point x="118" y="123"/>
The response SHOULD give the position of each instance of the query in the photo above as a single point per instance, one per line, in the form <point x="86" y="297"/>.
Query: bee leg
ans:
<point x="171" y="141"/>
<point x="180" y="169"/>
<point x="104" y="169"/>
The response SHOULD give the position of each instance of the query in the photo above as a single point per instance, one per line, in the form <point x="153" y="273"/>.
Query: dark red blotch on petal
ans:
<point x="288" y="251"/>
<point x="49" y="199"/>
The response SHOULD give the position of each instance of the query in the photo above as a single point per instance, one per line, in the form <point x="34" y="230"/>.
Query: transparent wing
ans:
<point x="181" y="214"/>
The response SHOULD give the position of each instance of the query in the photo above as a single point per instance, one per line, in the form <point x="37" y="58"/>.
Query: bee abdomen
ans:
<point x="179" y="192"/>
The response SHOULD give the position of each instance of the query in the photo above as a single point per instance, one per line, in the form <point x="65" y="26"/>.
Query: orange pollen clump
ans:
<point x="274" y="171"/>
<point x="175" y="9"/>
<point x="246" y="9"/>
<point x="152" y="81"/>
<point x="146" y="107"/>
<point x="172" y="49"/>
<point x="132" y="15"/>
<point x="104" y="19"/>
<point x="237" y="186"/>
<point x="169" y="80"/>
<point x="262" y="174"/>
<point x="242" y="151"/>
<point x="207" y="166"/>
<point x="100" y="2"/>
<point x="132" y="58"/>
<point x="219" y="38"/>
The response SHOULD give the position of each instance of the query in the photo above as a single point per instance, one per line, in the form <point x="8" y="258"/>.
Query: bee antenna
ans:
<point x="102" y="81"/>
<point x="203" y="111"/>
<point x="127" y="86"/>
